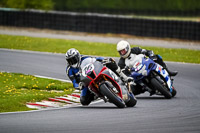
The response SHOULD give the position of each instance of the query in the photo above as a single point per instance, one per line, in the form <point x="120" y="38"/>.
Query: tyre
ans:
<point x="132" y="102"/>
<point x="173" y="91"/>
<point x="162" y="89"/>
<point x="114" y="98"/>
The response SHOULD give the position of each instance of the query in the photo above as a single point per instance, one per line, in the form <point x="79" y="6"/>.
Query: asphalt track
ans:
<point x="151" y="114"/>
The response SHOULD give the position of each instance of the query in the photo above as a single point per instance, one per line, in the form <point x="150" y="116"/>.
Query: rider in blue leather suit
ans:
<point x="74" y="60"/>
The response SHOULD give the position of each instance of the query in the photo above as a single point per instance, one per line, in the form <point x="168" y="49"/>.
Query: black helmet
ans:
<point x="73" y="57"/>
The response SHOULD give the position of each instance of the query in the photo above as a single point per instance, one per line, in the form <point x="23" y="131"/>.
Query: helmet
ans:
<point x="73" y="57"/>
<point x="124" y="49"/>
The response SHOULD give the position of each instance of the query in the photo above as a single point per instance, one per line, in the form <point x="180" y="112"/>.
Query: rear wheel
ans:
<point x="162" y="89"/>
<point x="114" y="98"/>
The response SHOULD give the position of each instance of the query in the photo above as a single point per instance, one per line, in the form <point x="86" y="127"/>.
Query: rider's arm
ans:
<point x="121" y="63"/>
<point x="148" y="53"/>
<point x="71" y="76"/>
<point x="75" y="84"/>
<point x="138" y="50"/>
<point x="122" y="66"/>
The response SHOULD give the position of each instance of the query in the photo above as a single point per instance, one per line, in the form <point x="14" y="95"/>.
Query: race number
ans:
<point x="88" y="68"/>
<point x="138" y="65"/>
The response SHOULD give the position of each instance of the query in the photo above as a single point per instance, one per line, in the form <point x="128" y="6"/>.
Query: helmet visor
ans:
<point x="73" y="60"/>
<point x="123" y="51"/>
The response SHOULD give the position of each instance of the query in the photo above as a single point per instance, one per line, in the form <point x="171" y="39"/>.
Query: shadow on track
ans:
<point x="151" y="98"/>
<point x="98" y="107"/>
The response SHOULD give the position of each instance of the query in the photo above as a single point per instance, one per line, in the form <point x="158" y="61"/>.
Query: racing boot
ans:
<point x="171" y="73"/>
<point x="160" y="61"/>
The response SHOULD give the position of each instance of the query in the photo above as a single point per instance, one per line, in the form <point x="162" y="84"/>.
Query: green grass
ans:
<point x="176" y="18"/>
<point x="18" y="89"/>
<point x="90" y="48"/>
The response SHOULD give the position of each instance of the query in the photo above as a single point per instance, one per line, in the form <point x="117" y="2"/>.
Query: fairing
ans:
<point x="147" y="66"/>
<point x="93" y="75"/>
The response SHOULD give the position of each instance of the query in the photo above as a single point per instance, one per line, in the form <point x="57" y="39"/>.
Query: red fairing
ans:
<point x="103" y="69"/>
<point x="111" y="79"/>
<point x="92" y="78"/>
<point x="115" y="83"/>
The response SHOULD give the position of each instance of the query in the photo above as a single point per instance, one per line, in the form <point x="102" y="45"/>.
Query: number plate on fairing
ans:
<point x="137" y="66"/>
<point x="88" y="68"/>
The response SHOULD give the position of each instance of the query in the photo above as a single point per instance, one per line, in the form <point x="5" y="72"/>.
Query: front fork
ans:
<point x="168" y="85"/>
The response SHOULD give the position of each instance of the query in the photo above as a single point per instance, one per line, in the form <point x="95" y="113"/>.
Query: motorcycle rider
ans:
<point x="124" y="49"/>
<point x="74" y="61"/>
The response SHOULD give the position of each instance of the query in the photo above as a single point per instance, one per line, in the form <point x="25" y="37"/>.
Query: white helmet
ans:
<point x="124" y="48"/>
<point x="73" y="57"/>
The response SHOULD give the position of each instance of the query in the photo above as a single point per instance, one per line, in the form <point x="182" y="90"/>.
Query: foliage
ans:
<point x="28" y="4"/>
<point x="90" y="5"/>
<point x="153" y="5"/>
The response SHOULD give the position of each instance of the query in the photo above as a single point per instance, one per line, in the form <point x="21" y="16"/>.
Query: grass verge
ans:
<point x="18" y="89"/>
<point x="90" y="48"/>
<point x="175" y="18"/>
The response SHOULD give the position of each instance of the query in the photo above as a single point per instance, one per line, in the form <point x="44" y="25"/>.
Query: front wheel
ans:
<point x="132" y="102"/>
<point x="162" y="89"/>
<point x="173" y="91"/>
<point x="114" y="98"/>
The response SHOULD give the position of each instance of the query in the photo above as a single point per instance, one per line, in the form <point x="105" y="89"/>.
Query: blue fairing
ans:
<point x="99" y="58"/>
<point x="145" y="61"/>
<point x="144" y="69"/>
<point x="136" y="76"/>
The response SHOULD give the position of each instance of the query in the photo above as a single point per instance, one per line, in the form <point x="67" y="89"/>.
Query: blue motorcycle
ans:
<point x="150" y="76"/>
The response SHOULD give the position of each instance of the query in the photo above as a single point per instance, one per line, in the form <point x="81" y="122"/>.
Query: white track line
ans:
<point x="63" y="80"/>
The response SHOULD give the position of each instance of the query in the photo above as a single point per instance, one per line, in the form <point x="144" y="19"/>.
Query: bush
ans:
<point x="155" y="5"/>
<point x="113" y="6"/>
<point x="28" y="4"/>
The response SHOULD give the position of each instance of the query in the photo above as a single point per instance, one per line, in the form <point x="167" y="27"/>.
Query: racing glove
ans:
<point x="110" y="63"/>
<point x="78" y="86"/>
<point x="148" y="53"/>
<point x="124" y="77"/>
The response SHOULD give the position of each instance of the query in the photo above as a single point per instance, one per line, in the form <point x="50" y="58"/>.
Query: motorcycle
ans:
<point x="105" y="84"/>
<point x="150" y="76"/>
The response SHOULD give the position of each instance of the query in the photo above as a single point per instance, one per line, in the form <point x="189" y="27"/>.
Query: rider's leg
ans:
<point x="86" y="96"/>
<point x="162" y="63"/>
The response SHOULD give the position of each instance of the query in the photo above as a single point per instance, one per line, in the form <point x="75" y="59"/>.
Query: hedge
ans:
<point x="113" y="6"/>
<point x="154" y="5"/>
